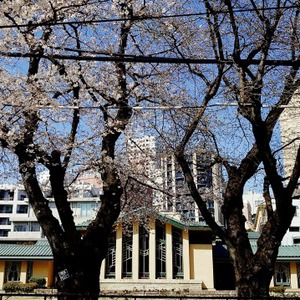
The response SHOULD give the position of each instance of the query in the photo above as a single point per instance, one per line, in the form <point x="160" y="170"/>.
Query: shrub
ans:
<point x="19" y="287"/>
<point x="28" y="287"/>
<point x="12" y="286"/>
<point x="278" y="289"/>
<point x="41" y="282"/>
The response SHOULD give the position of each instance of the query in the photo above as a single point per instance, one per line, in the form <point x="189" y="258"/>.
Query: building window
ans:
<point x="127" y="255"/>
<point x="6" y="209"/>
<point x="29" y="270"/>
<point x="21" y="227"/>
<point x="22" y="197"/>
<point x="144" y="253"/>
<point x="22" y="209"/>
<point x="282" y="274"/>
<point x="12" y="271"/>
<point x="4" y="221"/>
<point x="87" y="209"/>
<point x="296" y="241"/>
<point x="4" y="232"/>
<point x="177" y="253"/>
<point x="34" y="227"/>
<point x="160" y="250"/>
<point x="294" y="229"/>
<point x="110" y="261"/>
<point x="6" y="195"/>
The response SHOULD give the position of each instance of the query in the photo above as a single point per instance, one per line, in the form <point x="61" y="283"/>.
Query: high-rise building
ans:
<point x="12" y="204"/>
<point x="290" y="137"/>
<point x="208" y="180"/>
<point x="17" y="216"/>
<point x="142" y="156"/>
<point x="171" y="194"/>
<point x="290" y="133"/>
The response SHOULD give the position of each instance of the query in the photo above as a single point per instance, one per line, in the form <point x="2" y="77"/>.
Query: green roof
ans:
<point x="40" y="250"/>
<point x="286" y="252"/>
<point x="165" y="217"/>
<point x="289" y="251"/>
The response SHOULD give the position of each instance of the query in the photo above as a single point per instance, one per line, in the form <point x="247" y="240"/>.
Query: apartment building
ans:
<point x="13" y="203"/>
<point x="17" y="216"/>
<point x="255" y="211"/>
<point x="171" y="194"/>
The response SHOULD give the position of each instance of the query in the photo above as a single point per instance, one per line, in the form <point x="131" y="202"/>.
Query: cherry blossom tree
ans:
<point x="67" y="97"/>
<point x="238" y="111"/>
<point x="65" y="116"/>
<point x="70" y="86"/>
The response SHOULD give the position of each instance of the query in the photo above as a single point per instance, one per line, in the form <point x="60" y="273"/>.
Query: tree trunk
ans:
<point x="77" y="260"/>
<point x="77" y="276"/>
<point x="253" y="277"/>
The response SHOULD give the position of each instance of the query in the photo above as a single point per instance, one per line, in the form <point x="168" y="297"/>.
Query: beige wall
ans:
<point x="23" y="274"/>
<point x="202" y="264"/>
<point x="2" y="272"/>
<point x="43" y="269"/>
<point x="294" y="277"/>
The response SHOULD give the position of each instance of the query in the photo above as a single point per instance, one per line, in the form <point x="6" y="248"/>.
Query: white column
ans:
<point x="186" y="254"/>
<point x="102" y="270"/>
<point x="119" y="261"/>
<point x="152" y="250"/>
<point x="23" y="272"/>
<point x="169" y="251"/>
<point x="135" y="251"/>
<point x="294" y="277"/>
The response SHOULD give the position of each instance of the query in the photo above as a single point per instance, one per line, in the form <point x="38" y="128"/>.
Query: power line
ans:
<point x="152" y="59"/>
<point x="139" y="108"/>
<point x="141" y="18"/>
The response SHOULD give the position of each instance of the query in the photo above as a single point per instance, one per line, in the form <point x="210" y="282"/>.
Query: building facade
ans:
<point x="18" y="221"/>
<point x="165" y="257"/>
<point x="13" y="204"/>
<point x="170" y="193"/>
<point x="208" y="179"/>
<point x="290" y="137"/>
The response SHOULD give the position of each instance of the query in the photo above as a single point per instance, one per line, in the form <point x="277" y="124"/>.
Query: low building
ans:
<point x="159" y="255"/>
<point x="163" y="255"/>
<point x="22" y="261"/>
<point x="17" y="215"/>
<point x="12" y="203"/>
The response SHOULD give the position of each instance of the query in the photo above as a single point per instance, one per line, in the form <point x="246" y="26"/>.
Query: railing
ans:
<point x="36" y="296"/>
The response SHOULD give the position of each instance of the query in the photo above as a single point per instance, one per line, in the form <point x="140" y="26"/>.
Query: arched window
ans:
<point x="177" y="253"/>
<point x="160" y="250"/>
<point x="282" y="274"/>
<point x="12" y="271"/>
<point x="110" y="261"/>
<point x="144" y="253"/>
<point x="127" y="255"/>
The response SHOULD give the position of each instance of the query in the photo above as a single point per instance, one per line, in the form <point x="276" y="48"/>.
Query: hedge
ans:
<point x="41" y="282"/>
<point x="19" y="287"/>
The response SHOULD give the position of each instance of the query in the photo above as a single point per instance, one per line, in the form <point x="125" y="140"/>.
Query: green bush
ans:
<point x="19" y="287"/>
<point x="28" y="287"/>
<point x="279" y="289"/>
<point x="12" y="286"/>
<point x="41" y="282"/>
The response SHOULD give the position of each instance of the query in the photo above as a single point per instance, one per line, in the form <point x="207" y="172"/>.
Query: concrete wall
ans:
<point x="43" y="269"/>
<point x="2" y="273"/>
<point x="202" y="264"/>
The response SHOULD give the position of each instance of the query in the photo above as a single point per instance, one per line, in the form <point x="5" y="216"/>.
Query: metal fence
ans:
<point x="35" y="296"/>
